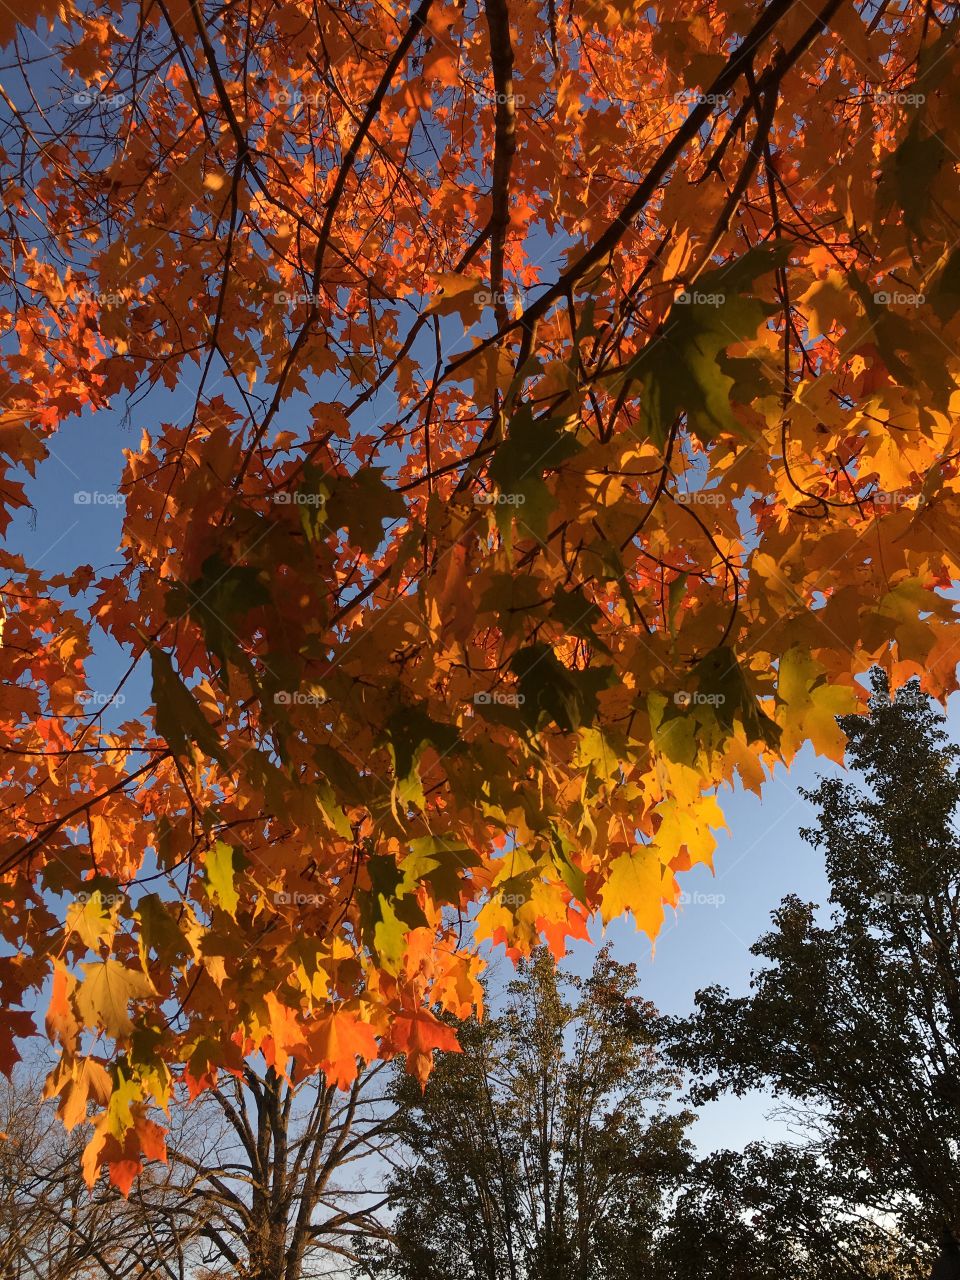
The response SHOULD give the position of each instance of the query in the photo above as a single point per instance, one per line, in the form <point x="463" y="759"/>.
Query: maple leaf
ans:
<point x="103" y="996"/>
<point x="455" y="293"/>
<point x="220" y="869"/>
<point x="62" y="1023"/>
<point x="92" y="920"/>
<point x="679" y="370"/>
<point x="811" y="705"/>
<point x="78" y="1084"/>
<point x="417" y="1034"/>
<point x="336" y="1040"/>
<point x="636" y="883"/>
<point x="179" y="718"/>
<point x="122" y="1155"/>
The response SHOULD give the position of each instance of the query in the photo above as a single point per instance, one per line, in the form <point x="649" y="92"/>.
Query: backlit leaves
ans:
<point x="489" y="502"/>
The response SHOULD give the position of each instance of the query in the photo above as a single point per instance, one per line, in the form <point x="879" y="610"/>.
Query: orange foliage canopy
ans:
<point x="546" y="411"/>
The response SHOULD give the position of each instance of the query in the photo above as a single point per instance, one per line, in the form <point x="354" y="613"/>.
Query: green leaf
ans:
<point x="532" y="446"/>
<point x="570" y="873"/>
<point x="362" y="503"/>
<point x="409" y="731"/>
<point x="511" y="597"/>
<point x="945" y="295"/>
<point x="683" y="369"/>
<point x="908" y="175"/>
<point x="179" y="719"/>
<point x="675" y="594"/>
<point x="331" y="810"/>
<point x="344" y="777"/>
<point x="220" y="597"/>
<point x="158" y="930"/>
<point x="388" y="910"/>
<point x="552" y="692"/>
<point x="578" y="616"/>
<point x="720" y="675"/>
<point x="440" y="862"/>
<point x="716" y="696"/>
<point x="911" y="352"/>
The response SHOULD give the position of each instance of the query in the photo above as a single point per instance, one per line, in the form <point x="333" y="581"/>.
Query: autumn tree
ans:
<point x="543" y="414"/>
<point x="270" y="1191"/>
<point x="853" y="1018"/>
<point x="52" y="1227"/>
<point x="547" y="1150"/>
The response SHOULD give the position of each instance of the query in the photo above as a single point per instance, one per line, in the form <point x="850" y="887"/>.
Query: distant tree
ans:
<point x="52" y="1227"/>
<point x="774" y="1212"/>
<point x="546" y="1150"/>
<point x="269" y="1192"/>
<point x="856" y="1019"/>
<point x="258" y="1186"/>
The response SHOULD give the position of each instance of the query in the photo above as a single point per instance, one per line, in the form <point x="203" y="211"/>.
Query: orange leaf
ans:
<point x="416" y="1034"/>
<point x="337" y="1040"/>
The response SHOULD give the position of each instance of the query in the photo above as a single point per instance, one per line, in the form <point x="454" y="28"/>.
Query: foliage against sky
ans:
<point x="570" y="422"/>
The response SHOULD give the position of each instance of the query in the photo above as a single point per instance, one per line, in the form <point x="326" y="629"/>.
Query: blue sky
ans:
<point x="707" y="940"/>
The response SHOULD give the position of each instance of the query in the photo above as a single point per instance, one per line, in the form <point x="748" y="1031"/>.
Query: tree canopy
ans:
<point x="548" y="1150"/>
<point x="556" y="1148"/>
<point x="543" y="413"/>
<point x="853" y="1019"/>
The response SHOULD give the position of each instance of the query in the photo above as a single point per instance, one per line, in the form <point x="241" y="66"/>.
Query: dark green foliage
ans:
<point x="546" y="1150"/>
<point x="854" y="1019"/>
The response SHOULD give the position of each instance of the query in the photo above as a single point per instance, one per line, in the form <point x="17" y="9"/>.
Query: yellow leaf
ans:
<point x="828" y="301"/>
<point x="91" y="920"/>
<point x="220" y="871"/>
<point x="811" y="706"/>
<point x="636" y="884"/>
<point x="453" y="292"/>
<point x="77" y="1083"/>
<point x="106" y="991"/>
